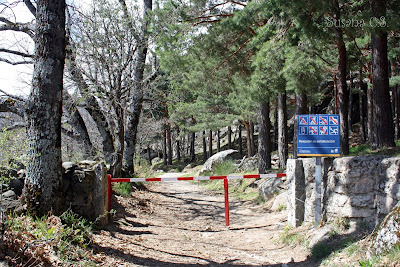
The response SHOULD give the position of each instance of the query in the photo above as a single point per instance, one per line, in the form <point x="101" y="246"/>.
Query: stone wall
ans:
<point x="359" y="188"/>
<point x="85" y="187"/>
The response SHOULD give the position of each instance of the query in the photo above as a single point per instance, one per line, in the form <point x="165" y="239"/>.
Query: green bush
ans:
<point x="123" y="189"/>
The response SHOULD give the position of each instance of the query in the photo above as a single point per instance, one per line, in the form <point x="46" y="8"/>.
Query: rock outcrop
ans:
<point x="215" y="159"/>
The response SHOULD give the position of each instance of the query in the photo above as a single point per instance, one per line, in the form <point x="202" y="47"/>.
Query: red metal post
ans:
<point x="226" y="202"/>
<point x="109" y="192"/>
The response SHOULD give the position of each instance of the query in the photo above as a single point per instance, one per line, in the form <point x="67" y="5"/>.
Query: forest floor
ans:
<point x="183" y="224"/>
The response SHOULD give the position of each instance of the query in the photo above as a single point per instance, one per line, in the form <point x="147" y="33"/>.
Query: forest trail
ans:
<point x="183" y="224"/>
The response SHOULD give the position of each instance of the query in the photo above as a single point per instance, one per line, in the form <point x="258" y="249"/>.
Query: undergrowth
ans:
<point x="52" y="240"/>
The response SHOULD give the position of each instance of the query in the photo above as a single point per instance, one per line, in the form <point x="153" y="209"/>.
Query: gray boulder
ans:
<point x="215" y="159"/>
<point x="386" y="236"/>
<point x="270" y="187"/>
<point x="249" y="164"/>
<point x="10" y="203"/>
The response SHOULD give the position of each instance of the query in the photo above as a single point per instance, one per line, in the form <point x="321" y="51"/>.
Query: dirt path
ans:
<point x="183" y="224"/>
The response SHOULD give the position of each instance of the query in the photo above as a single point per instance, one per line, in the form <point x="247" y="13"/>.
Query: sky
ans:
<point x="15" y="79"/>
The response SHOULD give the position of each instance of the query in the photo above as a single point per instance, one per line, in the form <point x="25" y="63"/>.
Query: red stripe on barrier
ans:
<point x="218" y="177"/>
<point x="121" y="180"/>
<point x="153" y="179"/>
<point x="185" y="178"/>
<point x="251" y="176"/>
<point x="279" y="175"/>
<point x="226" y="189"/>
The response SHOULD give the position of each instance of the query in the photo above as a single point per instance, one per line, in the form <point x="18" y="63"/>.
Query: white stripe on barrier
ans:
<point x="171" y="179"/>
<point x="225" y="178"/>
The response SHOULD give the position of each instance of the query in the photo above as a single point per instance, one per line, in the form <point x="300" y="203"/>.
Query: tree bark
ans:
<point x="248" y="139"/>
<point x="210" y="149"/>
<point x="383" y="132"/>
<point x="80" y="132"/>
<point x="282" y="130"/>
<point x="240" y="141"/>
<point x="192" y="149"/>
<point x="169" y="145"/>
<point x="370" y="113"/>
<point x="92" y="106"/>
<point x="342" y="85"/>
<point x="164" y="147"/>
<point x="301" y="108"/>
<point x="397" y="111"/>
<point x="229" y="137"/>
<point x="350" y="106"/>
<point x="204" y="147"/>
<point x="149" y="154"/>
<point x="264" y="138"/>
<point x="363" y="92"/>
<point x="178" y="146"/>
<point x="218" y="141"/>
<point x="43" y="183"/>
<point x="252" y="141"/>
<point x="136" y="102"/>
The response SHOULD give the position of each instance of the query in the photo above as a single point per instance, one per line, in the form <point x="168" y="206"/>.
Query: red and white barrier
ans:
<point x="198" y="178"/>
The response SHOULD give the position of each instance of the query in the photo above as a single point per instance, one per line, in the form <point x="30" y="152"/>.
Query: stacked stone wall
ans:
<point x="359" y="188"/>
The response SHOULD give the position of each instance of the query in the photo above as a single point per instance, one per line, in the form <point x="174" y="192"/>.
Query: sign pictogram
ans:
<point x="318" y="135"/>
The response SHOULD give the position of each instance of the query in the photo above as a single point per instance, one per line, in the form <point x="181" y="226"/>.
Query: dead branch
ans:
<point x="18" y="27"/>
<point x="18" y="53"/>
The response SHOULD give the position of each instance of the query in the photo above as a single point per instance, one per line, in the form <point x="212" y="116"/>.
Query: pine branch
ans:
<point x="231" y="55"/>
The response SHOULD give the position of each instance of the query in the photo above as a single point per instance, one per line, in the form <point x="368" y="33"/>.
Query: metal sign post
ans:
<point x="318" y="179"/>
<point x="318" y="135"/>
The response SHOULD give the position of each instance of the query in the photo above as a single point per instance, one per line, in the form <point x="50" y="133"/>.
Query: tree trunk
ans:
<point x="383" y="133"/>
<point x="370" y="113"/>
<point x="282" y="130"/>
<point x="301" y="108"/>
<point x="119" y="143"/>
<point x="229" y="137"/>
<point x="92" y="106"/>
<point x="169" y="145"/>
<point x="240" y="141"/>
<point x="192" y="150"/>
<point x="218" y="141"/>
<point x="248" y="139"/>
<point x="252" y="141"/>
<point x="363" y="92"/>
<point x="149" y="154"/>
<point x="204" y="147"/>
<point x="183" y="146"/>
<point x="80" y="132"/>
<point x="136" y="101"/>
<point x="210" y="152"/>
<point x="43" y="183"/>
<point x="264" y="139"/>
<point x="342" y="86"/>
<point x="165" y="147"/>
<point x="350" y="106"/>
<point x="397" y="110"/>
<point x="178" y="146"/>
<point x="275" y="130"/>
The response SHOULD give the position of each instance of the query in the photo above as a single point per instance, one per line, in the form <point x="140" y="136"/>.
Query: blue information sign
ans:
<point x="318" y="135"/>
